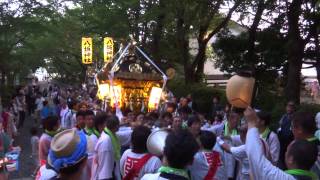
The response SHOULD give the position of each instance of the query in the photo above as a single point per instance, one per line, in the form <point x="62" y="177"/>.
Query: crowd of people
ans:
<point x="82" y="140"/>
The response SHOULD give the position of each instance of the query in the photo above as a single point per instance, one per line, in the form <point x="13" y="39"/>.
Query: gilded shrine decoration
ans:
<point x="133" y="81"/>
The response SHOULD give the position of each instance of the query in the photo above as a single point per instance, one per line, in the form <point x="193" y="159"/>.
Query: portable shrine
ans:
<point x="133" y="81"/>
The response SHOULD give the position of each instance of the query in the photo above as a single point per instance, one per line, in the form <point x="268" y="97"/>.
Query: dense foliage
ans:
<point x="278" y="36"/>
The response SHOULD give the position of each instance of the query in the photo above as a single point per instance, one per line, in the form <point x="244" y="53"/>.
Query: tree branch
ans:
<point x="224" y="22"/>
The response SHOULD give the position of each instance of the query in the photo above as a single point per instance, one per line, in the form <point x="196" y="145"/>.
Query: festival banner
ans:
<point x="86" y="50"/>
<point x="108" y="49"/>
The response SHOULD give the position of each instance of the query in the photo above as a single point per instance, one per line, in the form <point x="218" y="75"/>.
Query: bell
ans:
<point x="156" y="142"/>
<point x="239" y="90"/>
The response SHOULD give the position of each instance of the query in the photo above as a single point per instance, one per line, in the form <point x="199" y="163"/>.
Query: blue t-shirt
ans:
<point x="46" y="112"/>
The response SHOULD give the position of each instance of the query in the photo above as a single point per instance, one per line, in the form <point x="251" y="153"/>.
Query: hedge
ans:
<point x="266" y="100"/>
<point x="201" y="94"/>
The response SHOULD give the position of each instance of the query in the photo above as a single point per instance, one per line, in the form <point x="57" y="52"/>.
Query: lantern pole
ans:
<point x="164" y="76"/>
<point x="119" y="58"/>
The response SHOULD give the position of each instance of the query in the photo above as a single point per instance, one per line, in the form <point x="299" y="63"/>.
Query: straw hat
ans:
<point x="64" y="143"/>
<point x="67" y="148"/>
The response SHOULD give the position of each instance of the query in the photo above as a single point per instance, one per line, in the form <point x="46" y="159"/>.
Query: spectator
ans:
<point x="64" y="114"/>
<point x="46" y="111"/>
<point x="191" y="103"/>
<point x="34" y="149"/>
<point x="21" y="105"/>
<point x="8" y="123"/>
<point x="39" y="105"/>
<point x="4" y="148"/>
<point x="285" y="133"/>
<point x="216" y="106"/>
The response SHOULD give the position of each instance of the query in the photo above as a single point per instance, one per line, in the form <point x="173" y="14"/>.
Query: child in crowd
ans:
<point x="34" y="149"/>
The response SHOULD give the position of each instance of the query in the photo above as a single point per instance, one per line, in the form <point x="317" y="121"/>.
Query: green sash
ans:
<point x="170" y="170"/>
<point x="52" y="133"/>
<point x="312" y="139"/>
<point x="115" y="143"/>
<point x="300" y="172"/>
<point x="265" y="133"/>
<point x="226" y="130"/>
<point x="96" y="132"/>
<point x="91" y="131"/>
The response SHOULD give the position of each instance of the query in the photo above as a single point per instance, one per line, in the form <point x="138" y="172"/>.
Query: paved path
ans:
<point x="26" y="164"/>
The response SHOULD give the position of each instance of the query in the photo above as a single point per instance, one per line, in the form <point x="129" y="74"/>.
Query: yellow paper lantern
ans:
<point x="239" y="91"/>
<point x="115" y="95"/>
<point x="108" y="49"/>
<point x="154" y="98"/>
<point x="86" y="45"/>
<point x="104" y="91"/>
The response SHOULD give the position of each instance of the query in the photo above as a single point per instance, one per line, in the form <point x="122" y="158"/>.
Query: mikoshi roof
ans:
<point x="133" y="64"/>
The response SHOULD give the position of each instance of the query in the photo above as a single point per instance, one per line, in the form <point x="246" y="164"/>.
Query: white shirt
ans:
<point x="35" y="145"/>
<point x="153" y="177"/>
<point x="91" y="143"/>
<point x="104" y="163"/>
<point x="39" y="103"/>
<point x="221" y="173"/>
<point x="200" y="167"/>
<point x="240" y="154"/>
<point x="45" y="174"/>
<point x="274" y="147"/>
<point x="216" y="129"/>
<point x="230" y="162"/>
<point x="64" y="118"/>
<point x="124" y="136"/>
<point x="128" y="159"/>
<point x="261" y="168"/>
<point x="73" y="120"/>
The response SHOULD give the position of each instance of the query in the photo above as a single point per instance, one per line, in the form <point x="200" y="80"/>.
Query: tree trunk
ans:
<point x="295" y="52"/>
<point x="200" y="59"/>
<point x="252" y="33"/>
<point x="315" y="33"/>
<point x="183" y="46"/>
<point x="157" y="34"/>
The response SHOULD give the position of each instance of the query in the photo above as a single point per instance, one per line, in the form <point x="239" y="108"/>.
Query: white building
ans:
<point x="213" y="75"/>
